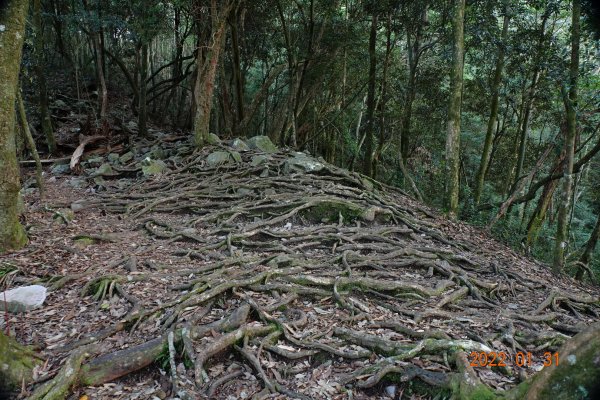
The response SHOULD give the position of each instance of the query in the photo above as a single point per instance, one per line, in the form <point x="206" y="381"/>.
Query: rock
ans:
<point x="390" y="391"/>
<point x="77" y="206"/>
<point x="113" y="157"/>
<point x="300" y="162"/>
<point x="236" y="156"/>
<point x="259" y="160"/>
<point x="213" y="139"/>
<point x="78" y="183"/>
<point x="153" y="167"/>
<point x="95" y="161"/>
<point x="218" y="158"/>
<point x="104" y="169"/>
<point x="23" y="298"/>
<point x="100" y="182"/>
<point x="262" y="143"/>
<point x="239" y="145"/>
<point x="125" y="158"/>
<point x="157" y="152"/>
<point x="132" y="125"/>
<point x="244" y="192"/>
<point x="60" y="169"/>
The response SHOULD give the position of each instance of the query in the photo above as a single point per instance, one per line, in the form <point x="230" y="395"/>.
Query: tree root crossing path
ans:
<point x="277" y="275"/>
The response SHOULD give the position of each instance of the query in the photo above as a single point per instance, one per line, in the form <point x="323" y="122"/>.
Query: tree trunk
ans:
<point x="570" y="101"/>
<point x="489" y="135"/>
<point x="12" y="18"/>
<point x="96" y="40"/>
<point x="590" y="246"/>
<point x="237" y="72"/>
<point x="453" y="127"/>
<point x="528" y="106"/>
<point x="30" y="143"/>
<point x="143" y="108"/>
<point x="207" y="61"/>
<point x="577" y="374"/>
<point x="414" y="54"/>
<point x="368" y="161"/>
<point x="41" y="77"/>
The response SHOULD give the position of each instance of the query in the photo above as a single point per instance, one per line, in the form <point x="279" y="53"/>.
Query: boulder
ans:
<point x="222" y="157"/>
<point x="213" y="139"/>
<point x="259" y="160"/>
<point x="23" y="298"/>
<point x="60" y="169"/>
<point x="153" y="167"/>
<point x="300" y="162"/>
<point x="236" y="156"/>
<point x="125" y="158"/>
<point x="96" y="161"/>
<point x="239" y="145"/>
<point x="217" y="158"/>
<point x="103" y="170"/>
<point x="78" y="183"/>
<point x="262" y="143"/>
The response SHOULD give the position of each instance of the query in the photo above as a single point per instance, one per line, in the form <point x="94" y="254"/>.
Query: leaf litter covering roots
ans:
<point x="276" y="283"/>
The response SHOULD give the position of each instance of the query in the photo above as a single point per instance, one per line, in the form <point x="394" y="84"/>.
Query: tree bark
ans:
<point x="41" y="77"/>
<point x="143" y="107"/>
<point x="570" y="101"/>
<point x="207" y="62"/>
<point x="368" y="160"/>
<point x="489" y="135"/>
<point x="414" y="54"/>
<point x="590" y="246"/>
<point x="96" y="40"/>
<point x="12" y="18"/>
<point x="453" y="126"/>
<point x="30" y="143"/>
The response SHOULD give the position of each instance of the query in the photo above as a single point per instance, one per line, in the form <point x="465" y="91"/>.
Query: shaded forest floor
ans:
<point x="290" y="277"/>
<point x="279" y="275"/>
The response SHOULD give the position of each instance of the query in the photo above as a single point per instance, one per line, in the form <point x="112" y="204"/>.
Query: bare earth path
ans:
<point x="277" y="276"/>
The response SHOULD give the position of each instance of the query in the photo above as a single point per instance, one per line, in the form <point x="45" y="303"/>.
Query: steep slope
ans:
<point x="244" y="272"/>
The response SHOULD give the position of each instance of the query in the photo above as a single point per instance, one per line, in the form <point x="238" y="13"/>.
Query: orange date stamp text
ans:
<point x="502" y="359"/>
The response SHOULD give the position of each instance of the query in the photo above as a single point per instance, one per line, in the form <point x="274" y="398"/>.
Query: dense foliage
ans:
<point x="366" y="85"/>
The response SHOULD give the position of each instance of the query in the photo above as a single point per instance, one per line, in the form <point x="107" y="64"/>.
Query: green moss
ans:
<point x="16" y="363"/>
<point x="329" y="211"/>
<point x="84" y="241"/>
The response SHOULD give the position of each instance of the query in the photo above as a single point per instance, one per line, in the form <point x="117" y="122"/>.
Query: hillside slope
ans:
<point x="269" y="273"/>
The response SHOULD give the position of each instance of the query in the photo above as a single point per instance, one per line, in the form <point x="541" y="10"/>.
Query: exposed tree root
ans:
<point x="310" y="271"/>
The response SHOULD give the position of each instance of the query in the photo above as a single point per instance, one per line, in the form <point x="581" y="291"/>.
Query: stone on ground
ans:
<point x="262" y="143"/>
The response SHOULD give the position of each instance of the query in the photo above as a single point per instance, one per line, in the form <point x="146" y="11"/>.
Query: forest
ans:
<point x="313" y="199"/>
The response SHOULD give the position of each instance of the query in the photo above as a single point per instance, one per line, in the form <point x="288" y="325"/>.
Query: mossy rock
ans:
<point x="213" y="139"/>
<point x="330" y="210"/>
<point x="154" y="167"/>
<point x="262" y="143"/>
<point x="239" y="145"/>
<point x="223" y="157"/>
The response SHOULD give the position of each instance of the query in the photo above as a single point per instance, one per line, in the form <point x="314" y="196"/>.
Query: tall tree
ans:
<point x="368" y="161"/>
<point x="570" y="100"/>
<point x="453" y="123"/>
<point x="489" y="135"/>
<point x="12" y="34"/>
<point x="589" y="248"/>
<point x="211" y="41"/>
<point x="41" y="77"/>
